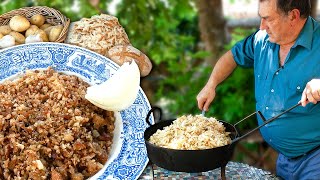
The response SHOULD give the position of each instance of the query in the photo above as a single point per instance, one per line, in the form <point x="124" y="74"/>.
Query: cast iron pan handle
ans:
<point x="154" y="109"/>
<point x="264" y="119"/>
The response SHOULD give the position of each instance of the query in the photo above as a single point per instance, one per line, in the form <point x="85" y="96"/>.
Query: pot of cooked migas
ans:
<point x="182" y="159"/>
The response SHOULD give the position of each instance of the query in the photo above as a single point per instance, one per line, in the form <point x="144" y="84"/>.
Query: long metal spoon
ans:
<point x="202" y="113"/>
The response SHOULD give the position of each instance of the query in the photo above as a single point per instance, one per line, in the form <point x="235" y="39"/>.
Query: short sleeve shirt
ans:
<point x="279" y="88"/>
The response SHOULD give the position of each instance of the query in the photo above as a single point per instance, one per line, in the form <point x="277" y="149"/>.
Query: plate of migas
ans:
<point x="128" y="155"/>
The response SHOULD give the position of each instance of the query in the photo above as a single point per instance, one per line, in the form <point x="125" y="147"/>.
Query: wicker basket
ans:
<point x="52" y="16"/>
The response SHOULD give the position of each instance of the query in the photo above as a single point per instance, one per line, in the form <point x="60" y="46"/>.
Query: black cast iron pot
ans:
<point x="195" y="160"/>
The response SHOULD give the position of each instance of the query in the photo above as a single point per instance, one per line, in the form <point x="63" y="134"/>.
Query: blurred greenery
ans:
<point x="167" y="32"/>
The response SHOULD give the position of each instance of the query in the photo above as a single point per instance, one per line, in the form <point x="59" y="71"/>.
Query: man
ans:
<point x="285" y="55"/>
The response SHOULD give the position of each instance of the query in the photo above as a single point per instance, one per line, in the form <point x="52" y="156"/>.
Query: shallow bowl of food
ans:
<point x="60" y="73"/>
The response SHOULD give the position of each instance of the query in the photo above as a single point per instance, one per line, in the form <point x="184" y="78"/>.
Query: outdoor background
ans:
<point x="183" y="39"/>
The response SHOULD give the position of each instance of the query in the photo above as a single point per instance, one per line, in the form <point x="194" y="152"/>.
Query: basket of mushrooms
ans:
<point x="32" y="24"/>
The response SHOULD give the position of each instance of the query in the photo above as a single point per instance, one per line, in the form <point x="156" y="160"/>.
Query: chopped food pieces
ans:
<point x="48" y="130"/>
<point x="192" y="133"/>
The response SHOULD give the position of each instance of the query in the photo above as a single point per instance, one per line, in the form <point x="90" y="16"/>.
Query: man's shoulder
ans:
<point x="311" y="33"/>
<point x="313" y="25"/>
<point x="316" y="26"/>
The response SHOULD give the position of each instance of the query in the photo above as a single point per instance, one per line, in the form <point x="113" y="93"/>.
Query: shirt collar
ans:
<point x="305" y="37"/>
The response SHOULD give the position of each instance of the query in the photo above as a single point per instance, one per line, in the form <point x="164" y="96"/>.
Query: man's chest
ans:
<point x="283" y="53"/>
<point x="281" y="86"/>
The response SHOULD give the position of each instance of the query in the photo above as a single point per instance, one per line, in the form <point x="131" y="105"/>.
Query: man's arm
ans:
<point x="223" y="68"/>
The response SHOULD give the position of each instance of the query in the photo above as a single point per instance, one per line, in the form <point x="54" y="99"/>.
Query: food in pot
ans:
<point x="48" y="130"/>
<point x="190" y="132"/>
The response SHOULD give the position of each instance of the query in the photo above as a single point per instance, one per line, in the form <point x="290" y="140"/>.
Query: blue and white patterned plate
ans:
<point x="128" y="156"/>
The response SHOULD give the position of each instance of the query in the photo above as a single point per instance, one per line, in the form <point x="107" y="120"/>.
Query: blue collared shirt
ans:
<point x="279" y="88"/>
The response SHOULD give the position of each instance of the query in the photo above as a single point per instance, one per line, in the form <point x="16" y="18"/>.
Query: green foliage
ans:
<point x="235" y="96"/>
<point x="153" y="27"/>
<point x="10" y="5"/>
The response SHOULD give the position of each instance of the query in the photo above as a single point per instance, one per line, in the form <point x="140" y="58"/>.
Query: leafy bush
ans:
<point x="236" y="94"/>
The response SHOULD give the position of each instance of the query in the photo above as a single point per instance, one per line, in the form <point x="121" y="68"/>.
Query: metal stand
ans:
<point x="223" y="172"/>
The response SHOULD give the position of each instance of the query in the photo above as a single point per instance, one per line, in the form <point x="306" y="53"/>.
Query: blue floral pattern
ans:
<point x="94" y="69"/>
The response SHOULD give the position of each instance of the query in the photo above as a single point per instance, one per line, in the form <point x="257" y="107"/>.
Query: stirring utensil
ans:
<point x="202" y="113"/>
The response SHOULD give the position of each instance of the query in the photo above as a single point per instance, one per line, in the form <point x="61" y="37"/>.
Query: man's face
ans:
<point x="275" y="23"/>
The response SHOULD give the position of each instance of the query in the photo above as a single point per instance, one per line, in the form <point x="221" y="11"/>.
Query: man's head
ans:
<point x="283" y="19"/>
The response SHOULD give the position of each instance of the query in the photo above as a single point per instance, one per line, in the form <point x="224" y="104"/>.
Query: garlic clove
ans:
<point x="33" y="38"/>
<point x="7" y="41"/>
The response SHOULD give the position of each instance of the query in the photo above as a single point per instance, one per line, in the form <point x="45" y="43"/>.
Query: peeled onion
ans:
<point x="119" y="91"/>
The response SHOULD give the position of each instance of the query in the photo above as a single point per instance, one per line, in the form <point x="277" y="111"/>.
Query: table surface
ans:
<point x="234" y="170"/>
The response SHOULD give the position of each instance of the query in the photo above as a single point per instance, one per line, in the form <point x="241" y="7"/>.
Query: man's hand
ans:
<point x="311" y="93"/>
<point x="205" y="97"/>
<point x="222" y="69"/>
